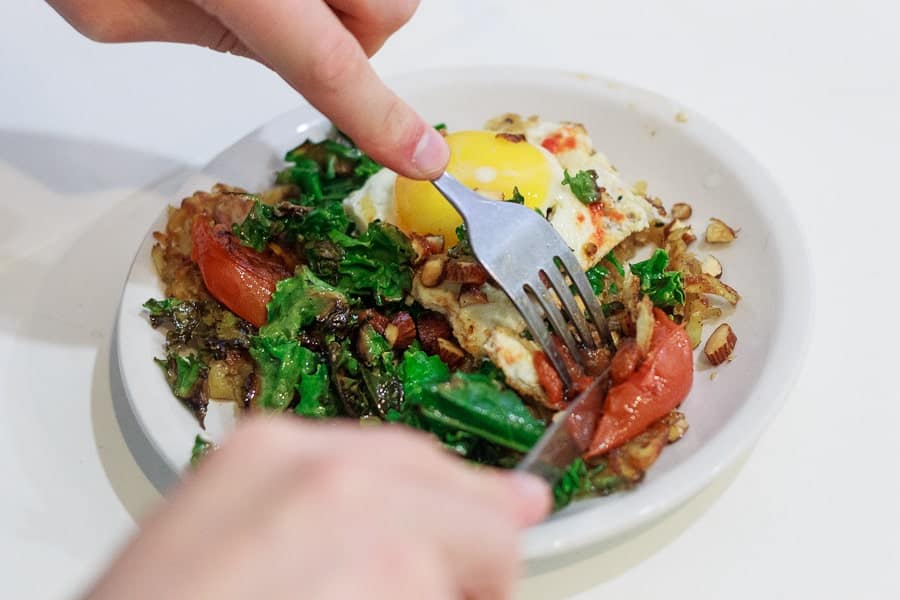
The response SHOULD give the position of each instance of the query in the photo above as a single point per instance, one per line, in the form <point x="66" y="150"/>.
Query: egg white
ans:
<point x="495" y="330"/>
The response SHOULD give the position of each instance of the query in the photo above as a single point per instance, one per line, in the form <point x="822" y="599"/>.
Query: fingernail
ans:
<point x="533" y="493"/>
<point x="431" y="153"/>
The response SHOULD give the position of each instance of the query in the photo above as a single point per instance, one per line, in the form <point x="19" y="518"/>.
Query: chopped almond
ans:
<point x="431" y="326"/>
<point x="720" y="344"/>
<point x="432" y="272"/>
<point x="450" y="353"/>
<point x="707" y="284"/>
<point x="718" y="232"/>
<point x="374" y="318"/>
<point x="465" y="271"/>
<point x="644" y="325"/>
<point x="711" y="266"/>
<point x="401" y="331"/>
<point x="682" y="211"/>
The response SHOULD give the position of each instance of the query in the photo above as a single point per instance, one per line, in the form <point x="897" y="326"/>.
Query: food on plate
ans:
<point x="346" y="290"/>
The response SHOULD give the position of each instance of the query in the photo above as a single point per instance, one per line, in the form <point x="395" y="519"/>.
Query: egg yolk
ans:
<point x="483" y="161"/>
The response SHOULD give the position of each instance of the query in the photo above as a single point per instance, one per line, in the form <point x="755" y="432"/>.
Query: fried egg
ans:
<point x="510" y="154"/>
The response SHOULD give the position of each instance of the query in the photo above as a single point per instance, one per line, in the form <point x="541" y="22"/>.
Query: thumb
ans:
<point x="309" y="47"/>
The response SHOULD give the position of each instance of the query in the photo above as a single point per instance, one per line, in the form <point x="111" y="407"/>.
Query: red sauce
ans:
<point x="560" y="141"/>
<point x="615" y="215"/>
<point x="597" y="213"/>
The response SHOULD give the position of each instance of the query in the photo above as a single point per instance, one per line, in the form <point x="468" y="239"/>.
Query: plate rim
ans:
<point x="576" y="531"/>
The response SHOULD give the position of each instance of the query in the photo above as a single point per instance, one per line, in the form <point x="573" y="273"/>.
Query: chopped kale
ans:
<point x="375" y="264"/>
<point x="258" y="227"/>
<point x="298" y="301"/>
<point x="315" y="397"/>
<point x="201" y="448"/>
<point x="579" y="481"/>
<point x="473" y="403"/>
<point x="183" y="373"/>
<point x="279" y="364"/>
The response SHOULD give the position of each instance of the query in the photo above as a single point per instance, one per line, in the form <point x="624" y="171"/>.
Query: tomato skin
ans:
<point x="238" y="277"/>
<point x="657" y="387"/>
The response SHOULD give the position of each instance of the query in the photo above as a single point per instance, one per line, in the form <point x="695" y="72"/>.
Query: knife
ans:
<point x="569" y="435"/>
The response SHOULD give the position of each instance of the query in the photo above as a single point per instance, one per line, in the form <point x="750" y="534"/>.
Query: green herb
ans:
<point x="579" y="480"/>
<point x="440" y="126"/>
<point x="159" y="308"/>
<point x="517" y="198"/>
<point x="611" y="258"/>
<point x="201" y="448"/>
<point x="665" y="288"/>
<point x="297" y="302"/>
<point x="366" y="167"/>
<point x="583" y="185"/>
<point x="183" y="373"/>
<point x="462" y="247"/>
<point x="596" y="276"/>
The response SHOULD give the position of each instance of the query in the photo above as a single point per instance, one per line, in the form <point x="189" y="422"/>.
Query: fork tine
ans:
<point x="542" y="335"/>
<point x="555" y="316"/>
<point x="588" y="297"/>
<point x="575" y="313"/>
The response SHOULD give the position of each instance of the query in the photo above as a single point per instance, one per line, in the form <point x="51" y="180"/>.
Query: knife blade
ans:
<point x="569" y="435"/>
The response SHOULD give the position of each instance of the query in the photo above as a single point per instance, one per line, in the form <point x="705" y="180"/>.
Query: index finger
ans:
<point x="305" y="43"/>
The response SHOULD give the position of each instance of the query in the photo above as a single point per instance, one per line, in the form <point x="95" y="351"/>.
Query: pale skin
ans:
<point x="320" y="48"/>
<point x="291" y="509"/>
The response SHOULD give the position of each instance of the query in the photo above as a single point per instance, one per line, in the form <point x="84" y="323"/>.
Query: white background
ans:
<point x="811" y="88"/>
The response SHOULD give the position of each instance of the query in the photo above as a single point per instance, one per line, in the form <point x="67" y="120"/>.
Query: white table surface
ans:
<point x="810" y="87"/>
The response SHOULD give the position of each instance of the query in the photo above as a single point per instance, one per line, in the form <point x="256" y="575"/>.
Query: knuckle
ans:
<point x="226" y="42"/>
<point x="400" y="128"/>
<point x="337" y="61"/>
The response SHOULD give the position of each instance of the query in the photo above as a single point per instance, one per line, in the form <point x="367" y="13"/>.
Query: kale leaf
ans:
<point x="183" y="373"/>
<point x="665" y="288"/>
<point x="466" y="402"/>
<point x="583" y="185"/>
<point x="298" y="301"/>
<point x="258" y="227"/>
<point x="279" y="365"/>
<point x="376" y="264"/>
<point x="201" y="448"/>
<point x="315" y="396"/>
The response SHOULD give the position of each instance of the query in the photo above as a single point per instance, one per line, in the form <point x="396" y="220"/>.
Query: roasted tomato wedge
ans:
<point x="658" y="386"/>
<point x="238" y="277"/>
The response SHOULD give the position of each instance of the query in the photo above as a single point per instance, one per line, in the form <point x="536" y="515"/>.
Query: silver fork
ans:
<point x="521" y="251"/>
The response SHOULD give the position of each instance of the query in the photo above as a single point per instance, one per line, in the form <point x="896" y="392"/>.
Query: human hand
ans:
<point x="287" y="509"/>
<point x="320" y="47"/>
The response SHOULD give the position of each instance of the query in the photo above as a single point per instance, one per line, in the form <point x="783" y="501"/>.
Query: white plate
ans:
<point x="684" y="158"/>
